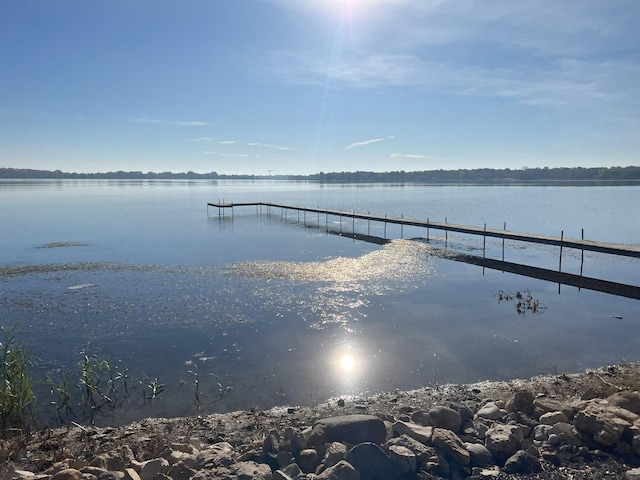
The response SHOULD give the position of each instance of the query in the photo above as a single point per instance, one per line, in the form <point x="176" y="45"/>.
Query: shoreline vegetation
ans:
<point x="560" y="175"/>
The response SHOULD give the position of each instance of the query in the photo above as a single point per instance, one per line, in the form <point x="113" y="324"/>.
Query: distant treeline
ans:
<point x="479" y="175"/>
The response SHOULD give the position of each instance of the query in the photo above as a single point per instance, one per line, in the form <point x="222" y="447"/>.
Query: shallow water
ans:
<point x="282" y="311"/>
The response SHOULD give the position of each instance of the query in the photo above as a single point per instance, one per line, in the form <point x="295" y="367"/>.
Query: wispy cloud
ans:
<point x="226" y="142"/>
<point x="268" y="145"/>
<point x="409" y="155"/>
<point x="233" y="155"/>
<point x="367" y="142"/>
<point x="199" y="139"/>
<point x="176" y="123"/>
<point x="468" y="47"/>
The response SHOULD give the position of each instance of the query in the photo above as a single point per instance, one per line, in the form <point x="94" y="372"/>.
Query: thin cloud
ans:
<point x="176" y="123"/>
<point x="268" y="145"/>
<point x="409" y="155"/>
<point x="226" y="142"/>
<point x="233" y="155"/>
<point x="199" y="139"/>
<point x="367" y="142"/>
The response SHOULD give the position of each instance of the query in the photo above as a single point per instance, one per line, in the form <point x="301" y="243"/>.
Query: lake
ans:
<point x="258" y="309"/>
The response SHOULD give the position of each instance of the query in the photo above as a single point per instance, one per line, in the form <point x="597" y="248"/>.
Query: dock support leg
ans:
<point x="484" y="241"/>
<point x="582" y="255"/>
<point x="560" y="259"/>
<point x="446" y="234"/>
<point x="505" y="229"/>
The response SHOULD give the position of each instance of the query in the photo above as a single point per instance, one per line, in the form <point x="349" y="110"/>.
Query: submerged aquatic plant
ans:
<point x="17" y="400"/>
<point x="524" y="301"/>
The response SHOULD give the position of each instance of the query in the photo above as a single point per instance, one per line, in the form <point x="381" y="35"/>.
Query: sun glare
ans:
<point x="347" y="363"/>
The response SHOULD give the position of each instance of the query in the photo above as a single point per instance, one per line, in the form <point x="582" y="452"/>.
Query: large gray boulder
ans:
<point x="439" y="416"/>
<point x="353" y="429"/>
<point x="604" y="423"/>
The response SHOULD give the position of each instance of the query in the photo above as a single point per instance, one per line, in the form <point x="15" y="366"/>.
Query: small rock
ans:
<point x="151" y="468"/>
<point x="371" y="461"/>
<point x="633" y="474"/>
<point x="450" y="445"/>
<point x="308" y="460"/>
<point x="565" y="433"/>
<point x="479" y="455"/>
<point x="68" y="474"/>
<point x="217" y="455"/>
<point x="522" y="401"/>
<point x="403" y="458"/>
<point x="252" y="471"/>
<point x="340" y="471"/>
<point x="131" y="474"/>
<point x="627" y="399"/>
<point x="180" y="471"/>
<point x="541" y="433"/>
<point x="336" y="451"/>
<point x="503" y="441"/>
<point x="286" y="458"/>
<point x="544" y="405"/>
<point x="292" y="471"/>
<point x="491" y="411"/>
<point x="413" y="430"/>
<point x="422" y="452"/>
<point x="522" y="462"/>
<point x="551" y="418"/>
<point x="271" y="444"/>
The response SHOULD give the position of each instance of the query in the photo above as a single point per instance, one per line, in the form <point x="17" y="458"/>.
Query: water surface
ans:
<point x="284" y="312"/>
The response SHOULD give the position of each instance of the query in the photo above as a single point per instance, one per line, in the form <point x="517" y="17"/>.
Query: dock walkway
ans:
<point x="580" y="244"/>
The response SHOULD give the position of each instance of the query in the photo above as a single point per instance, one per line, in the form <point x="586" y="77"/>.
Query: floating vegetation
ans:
<point x="66" y="244"/>
<point x="524" y="301"/>
<point x="18" y="270"/>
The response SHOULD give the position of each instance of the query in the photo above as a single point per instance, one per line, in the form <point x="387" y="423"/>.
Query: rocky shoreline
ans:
<point x="578" y="426"/>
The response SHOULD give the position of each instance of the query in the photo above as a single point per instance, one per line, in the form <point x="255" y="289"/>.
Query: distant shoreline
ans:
<point x="629" y="175"/>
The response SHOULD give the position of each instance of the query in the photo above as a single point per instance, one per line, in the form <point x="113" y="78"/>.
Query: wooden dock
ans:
<point x="562" y="242"/>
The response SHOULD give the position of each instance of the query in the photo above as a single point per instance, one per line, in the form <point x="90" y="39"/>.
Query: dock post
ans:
<point x="505" y="229"/>
<point x="340" y="223"/>
<point x="304" y="218"/>
<point x="560" y="260"/>
<point x="582" y="256"/>
<point x="446" y="234"/>
<point x="385" y="226"/>
<point x="369" y="224"/>
<point x="427" y="229"/>
<point x="318" y="217"/>
<point x="353" y="223"/>
<point x="326" y="220"/>
<point x="402" y="227"/>
<point x="484" y="240"/>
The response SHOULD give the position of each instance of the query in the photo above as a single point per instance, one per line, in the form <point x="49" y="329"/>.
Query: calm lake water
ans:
<point x="269" y="310"/>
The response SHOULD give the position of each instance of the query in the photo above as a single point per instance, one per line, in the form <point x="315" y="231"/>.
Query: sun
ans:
<point x="347" y="363"/>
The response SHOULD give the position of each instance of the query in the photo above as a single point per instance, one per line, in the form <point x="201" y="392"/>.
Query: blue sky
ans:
<point x="303" y="86"/>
